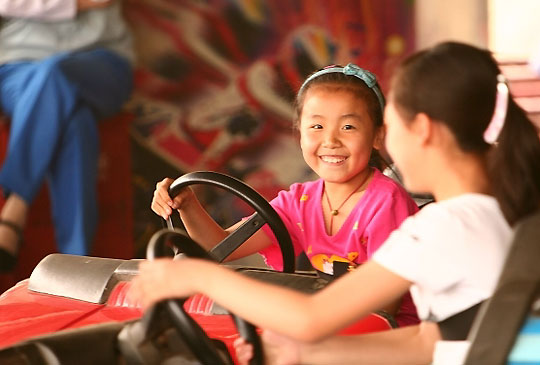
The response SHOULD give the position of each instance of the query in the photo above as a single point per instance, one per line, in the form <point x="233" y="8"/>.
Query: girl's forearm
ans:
<point x="407" y="345"/>
<point x="200" y="226"/>
<point x="294" y="314"/>
<point x="265" y="305"/>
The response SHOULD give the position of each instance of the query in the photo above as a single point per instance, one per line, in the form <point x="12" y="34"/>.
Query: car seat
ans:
<point x="507" y="326"/>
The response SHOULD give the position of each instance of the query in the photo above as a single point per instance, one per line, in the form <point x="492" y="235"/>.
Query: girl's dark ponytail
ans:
<point x="514" y="165"/>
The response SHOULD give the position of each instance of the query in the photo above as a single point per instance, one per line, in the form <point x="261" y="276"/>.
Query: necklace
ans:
<point x="334" y="212"/>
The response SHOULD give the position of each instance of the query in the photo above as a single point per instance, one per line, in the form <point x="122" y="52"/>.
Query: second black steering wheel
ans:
<point x="195" y="337"/>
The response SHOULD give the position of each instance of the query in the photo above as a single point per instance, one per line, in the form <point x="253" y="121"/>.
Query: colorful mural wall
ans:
<point x="216" y="81"/>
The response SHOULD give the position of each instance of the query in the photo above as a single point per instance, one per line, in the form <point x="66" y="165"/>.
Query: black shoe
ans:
<point x="8" y="260"/>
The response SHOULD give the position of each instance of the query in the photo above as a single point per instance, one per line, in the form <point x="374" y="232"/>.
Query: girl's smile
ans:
<point x="334" y="160"/>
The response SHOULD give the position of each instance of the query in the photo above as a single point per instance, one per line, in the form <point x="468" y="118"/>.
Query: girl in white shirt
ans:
<point x="454" y="132"/>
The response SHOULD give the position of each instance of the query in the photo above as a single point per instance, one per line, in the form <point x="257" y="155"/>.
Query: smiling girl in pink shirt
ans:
<point x="342" y="218"/>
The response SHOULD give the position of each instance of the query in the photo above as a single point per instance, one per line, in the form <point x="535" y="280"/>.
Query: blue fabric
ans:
<point x="526" y="349"/>
<point x="54" y="105"/>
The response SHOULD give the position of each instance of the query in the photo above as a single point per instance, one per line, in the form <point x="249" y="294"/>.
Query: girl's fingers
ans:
<point x="161" y="208"/>
<point x="244" y="351"/>
<point x="164" y="199"/>
<point x="163" y="193"/>
<point x="178" y="200"/>
<point x="136" y="292"/>
<point x="150" y="286"/>
<point x="161" y="202"/>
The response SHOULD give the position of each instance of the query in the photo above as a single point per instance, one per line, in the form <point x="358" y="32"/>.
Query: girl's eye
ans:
<point x="348" y="127"/>
<point x="316" y="126"/>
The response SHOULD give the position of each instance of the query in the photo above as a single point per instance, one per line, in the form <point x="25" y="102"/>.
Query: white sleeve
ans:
<point x="42" y="9"/>
<point x="423" y="251"/>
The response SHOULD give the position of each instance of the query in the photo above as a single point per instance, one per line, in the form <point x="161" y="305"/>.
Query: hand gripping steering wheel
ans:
<point x="264" y="214"/>
<point x="189" y="330"/>
<point x="201" y="345"/>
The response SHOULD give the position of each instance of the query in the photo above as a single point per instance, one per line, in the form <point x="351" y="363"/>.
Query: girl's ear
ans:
<point x="422" y="126"/>
<point x="378" y="141"/>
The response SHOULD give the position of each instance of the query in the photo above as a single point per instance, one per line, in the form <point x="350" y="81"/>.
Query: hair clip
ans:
<point x="350" y="70"/>
<point x="491" y="134"/>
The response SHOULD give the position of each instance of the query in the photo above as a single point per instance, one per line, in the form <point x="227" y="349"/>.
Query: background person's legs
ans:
<point x="72" y="179"/>
<point x="54" y="134"/>
<point x="103" y="82"/>
<point x="28" y="95"/>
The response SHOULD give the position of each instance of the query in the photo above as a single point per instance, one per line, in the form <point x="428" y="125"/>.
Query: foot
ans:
<point x="12" y="219"/>
<point x="10" y="240"/>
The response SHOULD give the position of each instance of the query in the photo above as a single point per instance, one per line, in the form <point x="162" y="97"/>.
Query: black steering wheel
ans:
<point x="194" y="336"/>
<point x="264" y="214"/>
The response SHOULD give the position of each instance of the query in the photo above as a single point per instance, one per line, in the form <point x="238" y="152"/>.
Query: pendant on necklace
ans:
<point x="334" y="212"/>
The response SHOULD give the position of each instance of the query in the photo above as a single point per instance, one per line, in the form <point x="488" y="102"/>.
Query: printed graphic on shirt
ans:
<point x="303" y="198"/>
<point x="325" y="263"/>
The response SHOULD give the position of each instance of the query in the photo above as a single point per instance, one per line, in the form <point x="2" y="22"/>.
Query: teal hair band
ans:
<point x="351" y="70"/>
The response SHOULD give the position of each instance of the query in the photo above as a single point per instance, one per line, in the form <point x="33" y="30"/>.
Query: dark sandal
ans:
<point x="7" y="259"/>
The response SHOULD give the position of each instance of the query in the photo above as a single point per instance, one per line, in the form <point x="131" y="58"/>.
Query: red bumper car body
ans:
<point x="42" y="305"/>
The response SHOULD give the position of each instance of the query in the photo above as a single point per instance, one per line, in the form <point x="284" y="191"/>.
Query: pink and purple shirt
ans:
<point x="382" y="208"/>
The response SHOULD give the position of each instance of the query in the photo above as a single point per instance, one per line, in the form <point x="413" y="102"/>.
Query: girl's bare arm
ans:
<point x="299" y="316"/>
<point x="200" y="226"/>
<point x="407" y="345"/>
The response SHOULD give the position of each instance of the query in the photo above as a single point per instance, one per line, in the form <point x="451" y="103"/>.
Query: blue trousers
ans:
<point x="54" y="105"/>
